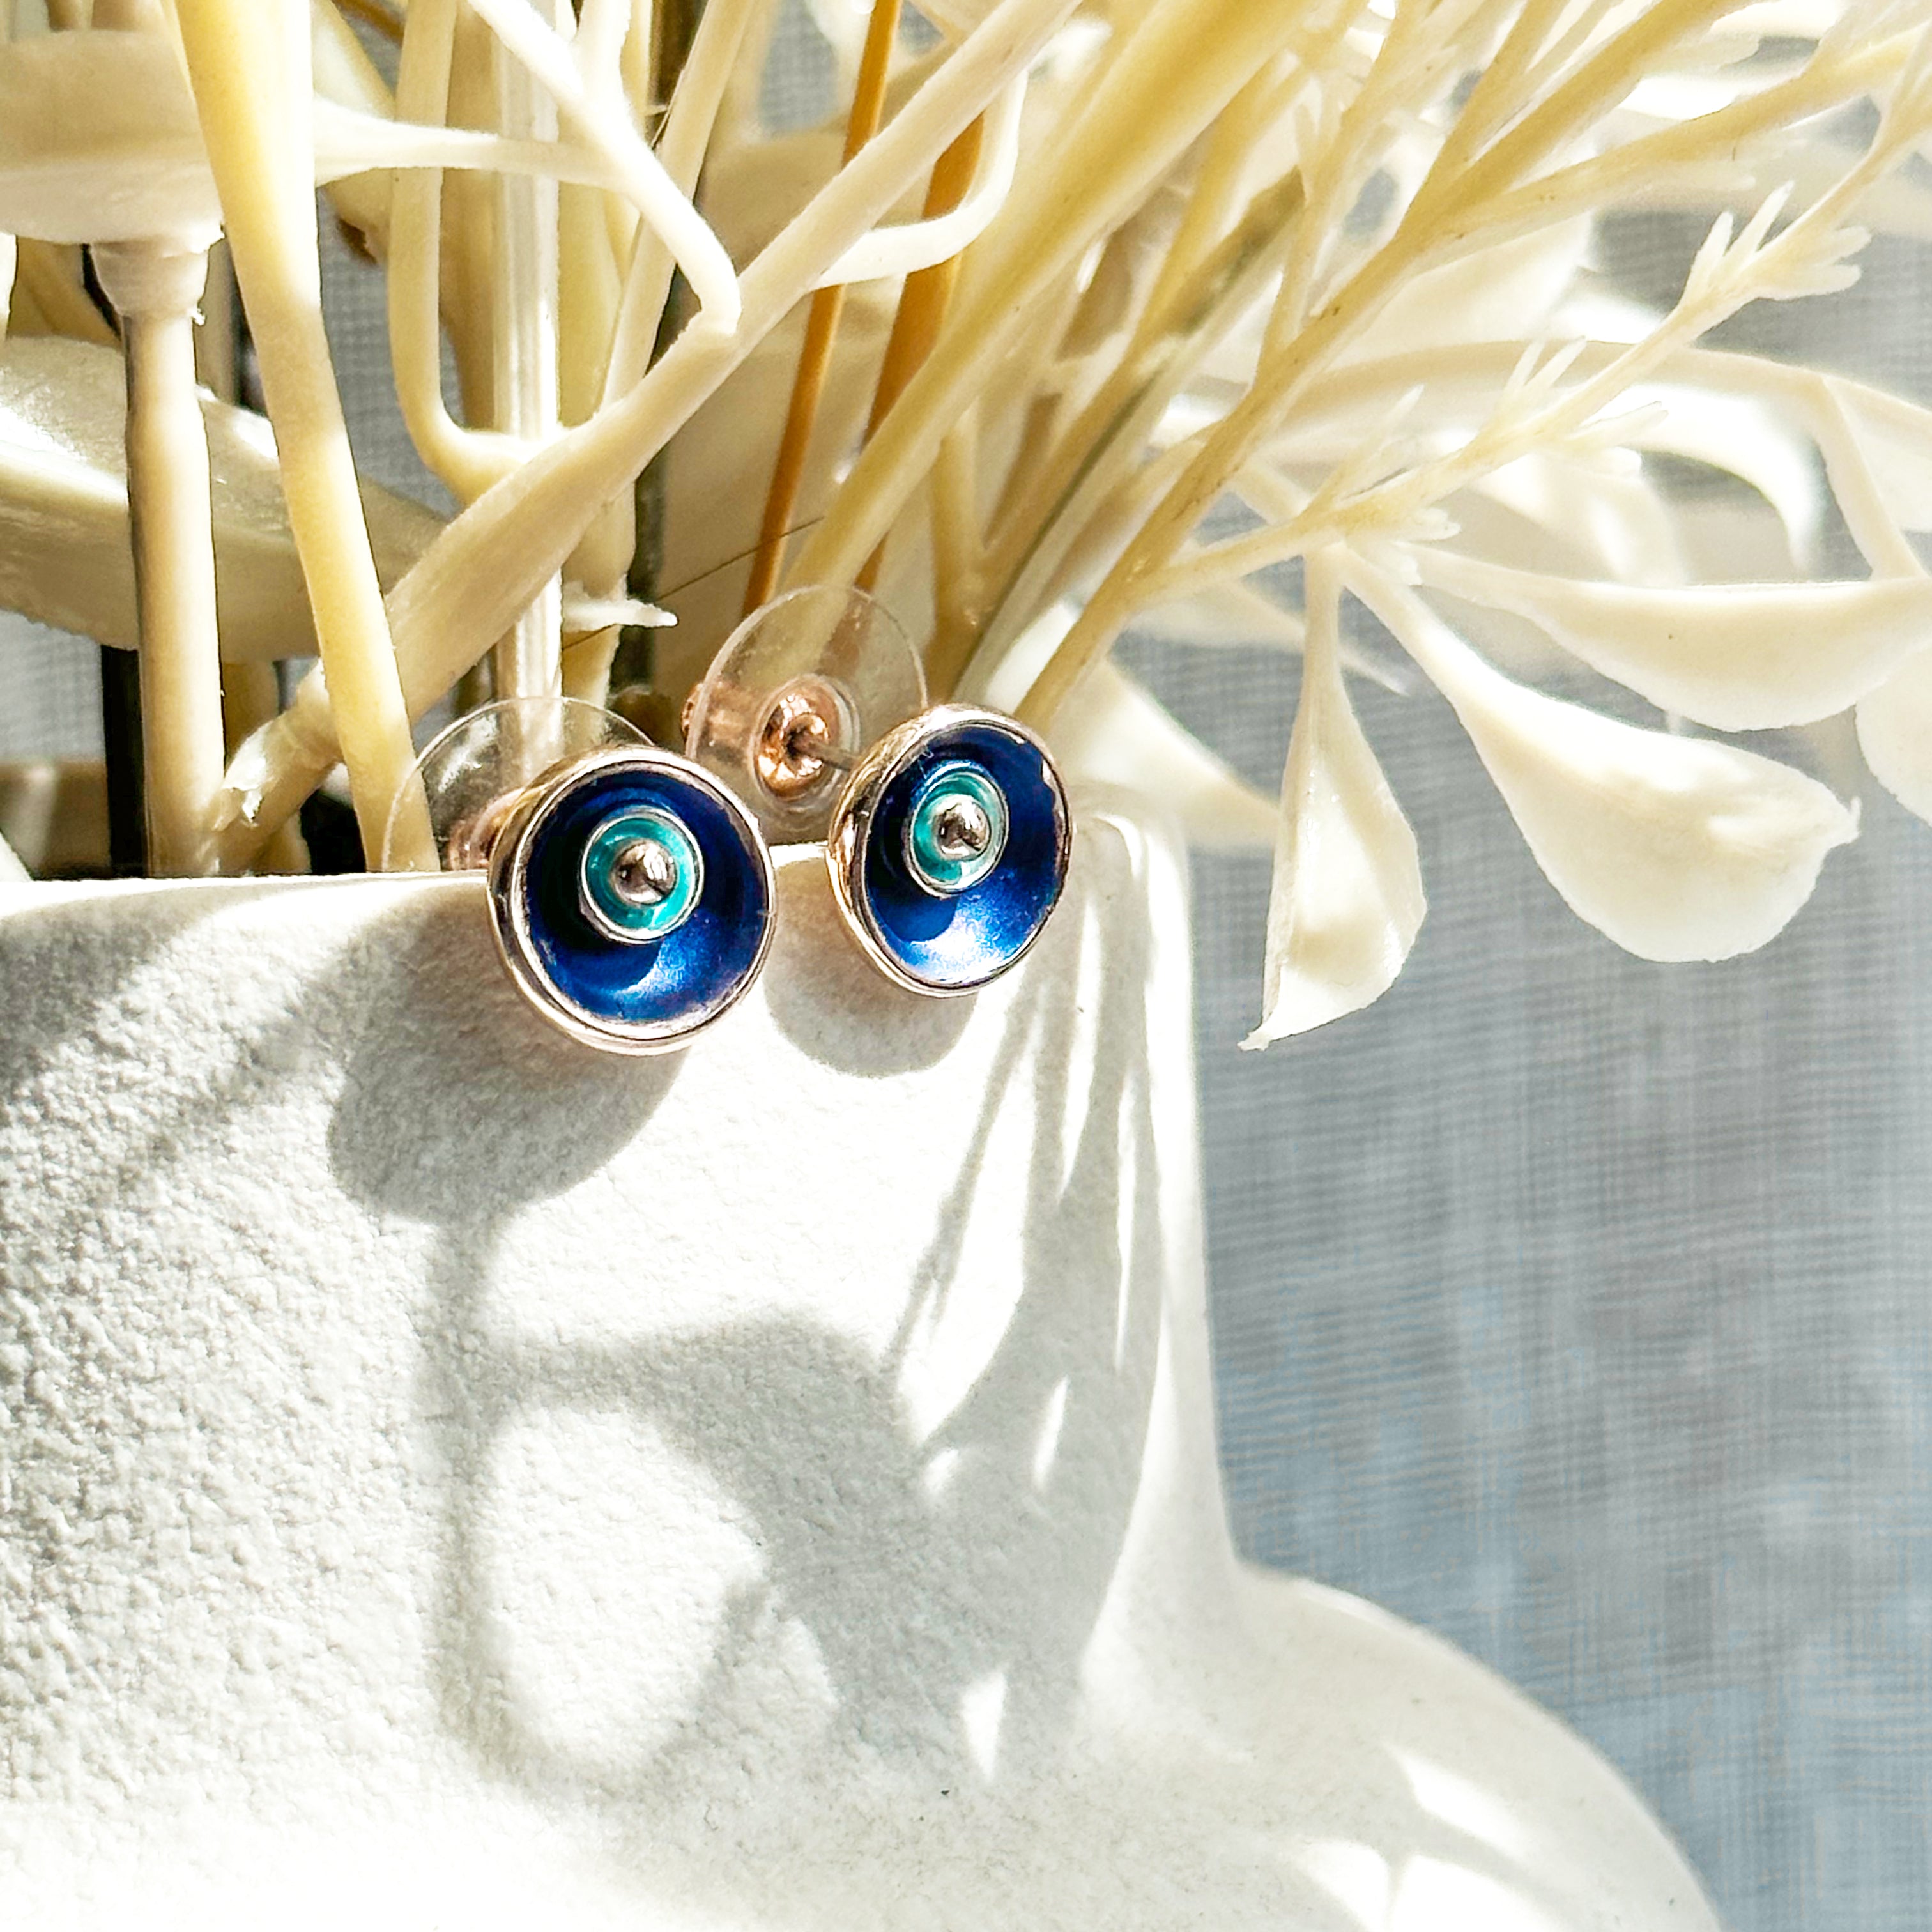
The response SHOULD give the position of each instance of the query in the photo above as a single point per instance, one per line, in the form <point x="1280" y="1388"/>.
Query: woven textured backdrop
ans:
<point x="1581" y="1308"/>
<point x="1575" y="1307"/>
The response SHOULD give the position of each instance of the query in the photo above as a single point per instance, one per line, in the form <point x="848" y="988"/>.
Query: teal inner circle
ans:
<point x="607" y="905"/>
<point x="954" y="781"/>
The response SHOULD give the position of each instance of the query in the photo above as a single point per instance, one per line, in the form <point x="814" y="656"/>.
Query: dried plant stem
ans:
<point x="248" y="64"/>
<point x="1448" y="208"/>
<point x="251" y="696"/>
<point x="821" y="331"/>
<point x="467" y="461"/>
<point x="154" y="287"/>
<point x="464" y="590"/>
<point x="667" y="210"/>
<point x="1099" y="531"/>
<point x="1417" y="39"/>
<point x="1180" y="68"/>
<point x="1178" y="330"/>
<point x="588" y="294"/>
<point x="657" y="38"/>
<point x="1709" y="298"/>
<point x="523" y="340"/>
<point x="468" y="250"/>
<point x="821" y="328"/>
<point x="1499" y="91"/>
<point x="923" y="302"/>
<point x="1066" y="317"/>
<point x="1652" y="159"/>
<point x="958" y="557"/>
<point x="1511" y="433"/>
<point x="1804" y="396"/>
<point x="701" y="87"/>
<point x="1215" y="202"/>
<point x="656" y="45"/>
<point x="1099" y="448"/>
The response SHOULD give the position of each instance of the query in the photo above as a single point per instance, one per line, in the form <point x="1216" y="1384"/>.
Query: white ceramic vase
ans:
<point x="453" y="1479"/>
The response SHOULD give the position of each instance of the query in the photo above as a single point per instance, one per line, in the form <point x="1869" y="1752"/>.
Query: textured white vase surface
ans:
<point x="454" y="1479"/>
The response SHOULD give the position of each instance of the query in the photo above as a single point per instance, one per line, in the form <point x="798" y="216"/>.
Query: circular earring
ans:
<point x="949" y="848"/>
<point x="946" y="831"/>
<point x="631" y="894"/>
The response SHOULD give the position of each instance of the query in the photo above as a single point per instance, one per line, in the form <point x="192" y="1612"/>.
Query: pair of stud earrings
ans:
<point x="630" y="888"/>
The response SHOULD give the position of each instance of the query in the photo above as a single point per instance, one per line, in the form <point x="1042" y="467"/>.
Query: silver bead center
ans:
<point x="644" y="873"/>
<point x="962" y="830"/>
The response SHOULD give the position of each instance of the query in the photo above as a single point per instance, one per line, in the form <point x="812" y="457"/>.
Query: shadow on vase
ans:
<point x="68" y="965"/>
<point x="504" y="1109"/>
<point x="808" y="1662"/>
<point x="913" y="1597"/>
<point x="803" y="1644"/>
<point x="836" y="1007"/>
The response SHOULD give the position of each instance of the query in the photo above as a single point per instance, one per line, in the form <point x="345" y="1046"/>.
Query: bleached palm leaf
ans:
<point x="1347" y="900"/>
<point x="65" y="557"/>
<point x="1738" y="657"/>
<point x="1895" y="725"/>
<point x="1678" y="848"/>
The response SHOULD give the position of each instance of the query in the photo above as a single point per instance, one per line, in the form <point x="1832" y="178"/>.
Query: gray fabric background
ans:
<point x="1574" y="1307"/>
<point x="1578" y="1307"/>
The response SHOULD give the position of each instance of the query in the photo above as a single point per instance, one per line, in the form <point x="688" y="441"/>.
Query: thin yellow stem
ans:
<point x="815" y="362"/>
<point x="459" y="596"/>
<point x="1181" y="67"/>
<point x="1446" y="211"/>
<point x="923" y="301"/>
<point x="821" y="328"/>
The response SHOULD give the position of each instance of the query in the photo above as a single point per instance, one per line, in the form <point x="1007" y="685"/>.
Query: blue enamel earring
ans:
<point x="949" y="848"/>
<point x="630" y="893"/>
<point x="946" y="831"/>
<point x="630" y="897"/>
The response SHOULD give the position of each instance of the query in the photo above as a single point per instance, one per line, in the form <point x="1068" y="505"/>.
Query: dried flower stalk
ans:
<point x="154" y="287"/>
<point x="248" y="64"/>
<point x="1247" y="283"/>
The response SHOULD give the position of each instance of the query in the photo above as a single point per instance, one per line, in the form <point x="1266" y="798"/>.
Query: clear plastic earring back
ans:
<point x="801" y="690"/>
<point x="476" y="770"/>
